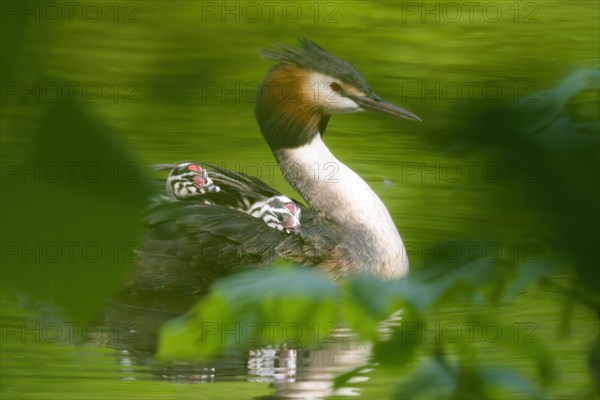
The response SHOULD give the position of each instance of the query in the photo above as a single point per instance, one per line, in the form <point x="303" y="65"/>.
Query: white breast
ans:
<point x="334" y="190"/>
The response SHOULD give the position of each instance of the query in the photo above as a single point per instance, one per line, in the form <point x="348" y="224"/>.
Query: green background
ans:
<point x="166" y="81"/>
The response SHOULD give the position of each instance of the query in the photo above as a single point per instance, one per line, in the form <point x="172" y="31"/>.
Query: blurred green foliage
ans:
<point x="70" y="213"/>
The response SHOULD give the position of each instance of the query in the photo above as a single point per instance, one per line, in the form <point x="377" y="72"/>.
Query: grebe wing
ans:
<point x="206" y="241"/>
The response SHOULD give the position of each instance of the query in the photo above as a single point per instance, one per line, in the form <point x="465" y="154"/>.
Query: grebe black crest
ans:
<point x="240" y="220"/>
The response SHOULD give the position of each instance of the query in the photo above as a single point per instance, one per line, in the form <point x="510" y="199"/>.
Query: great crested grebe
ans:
<point x="346" y="228"/>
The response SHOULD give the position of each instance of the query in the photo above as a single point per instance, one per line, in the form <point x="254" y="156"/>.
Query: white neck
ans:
<point x="336" y="192"/>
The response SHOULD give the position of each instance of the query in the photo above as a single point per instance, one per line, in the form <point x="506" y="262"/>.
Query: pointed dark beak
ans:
<point x="377" y="104"/>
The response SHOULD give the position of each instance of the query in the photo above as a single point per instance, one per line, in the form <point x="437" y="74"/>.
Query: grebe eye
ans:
<point x="199" y="181"/>
<point x="195" y="168"/>
<point x="291" y="207"/>
<point x="335" y="86"/>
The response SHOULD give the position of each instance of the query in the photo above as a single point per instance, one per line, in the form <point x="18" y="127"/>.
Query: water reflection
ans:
<point x="292" y="372"/>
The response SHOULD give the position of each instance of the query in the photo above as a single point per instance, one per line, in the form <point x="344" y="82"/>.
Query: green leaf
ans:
<point x="508" y="381"/>
<point x="70" y="212"/>
<point x="430" y="380"/>
<point x="401" y="347"/>
<point x="261" y="307"/>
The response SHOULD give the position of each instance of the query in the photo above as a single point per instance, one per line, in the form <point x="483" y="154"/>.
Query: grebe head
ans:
<point x="187" y="181"/>
<point x="305" y="88"/>
<point x="278" y="212"/>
